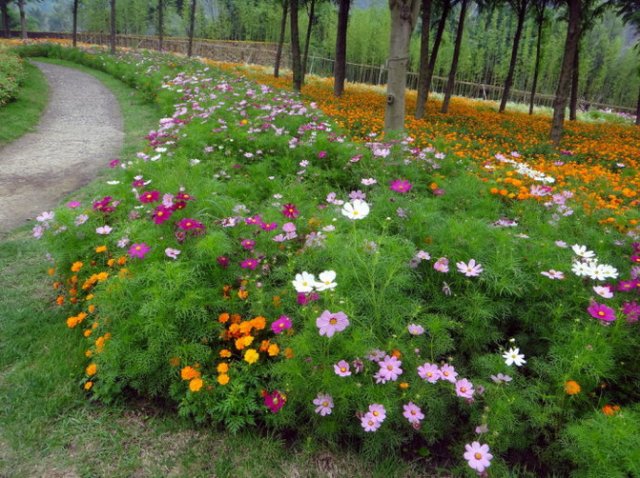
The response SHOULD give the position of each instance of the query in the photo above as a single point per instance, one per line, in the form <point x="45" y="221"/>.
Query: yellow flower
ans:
<point x="273" y="350"/>
<point x="100" y="249"/>
<point x="88" y="385"/>
<point x="251" y="356"/>
<point x="196" y="384"/>
<point x="91" y="369"/>
<point x="223" y="379"/>
<point x="76" y="266"/>
<point x="223" y="367"/>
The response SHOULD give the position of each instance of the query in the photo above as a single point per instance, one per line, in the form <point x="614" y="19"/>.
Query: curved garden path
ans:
<point x="79" y="132"/>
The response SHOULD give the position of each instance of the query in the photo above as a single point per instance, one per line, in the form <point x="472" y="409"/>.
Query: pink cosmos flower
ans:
<point x="601" y="312"/>
<point x="553" y="274"/>
<point x="478" y="456"/>
<point x="442" y="265"/>
<point x="139" y="250"/>
<point x="369" y="423"/>
<point x="378" y="412"/>
<point x="324" y="404"/>
<point x="464" y="388"/>
<point x="248" y="244"/>
<point x="401" y="186"/>
<point x="415" y="329"/>
<point x="632" y="311"/>
<point x="472" y="269"/>
<point x="280" y="325"/>
<point x="329" y="323"/>
<point x="104" y="230"/>
<point x="413" y="413"/>
<point x="342" y="369"/>
<point x="447" y="372"/>
<point x="429" y="372"/>
<point x="274" y="401"/>
<point x="172" y="253"/>
<point x="389" y="369"/>
<point x="149" y="196"/>
<point x="253" y="220"/>
<point x="73" y="204"/>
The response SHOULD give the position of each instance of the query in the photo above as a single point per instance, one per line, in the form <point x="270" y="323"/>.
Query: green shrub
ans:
<point x="11" y="76"/>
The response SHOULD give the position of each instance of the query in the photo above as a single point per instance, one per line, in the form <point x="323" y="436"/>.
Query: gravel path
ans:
<point x="79" y="132"/>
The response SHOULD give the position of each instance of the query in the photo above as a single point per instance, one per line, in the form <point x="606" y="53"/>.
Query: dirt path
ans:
<point x="79" y="132"/>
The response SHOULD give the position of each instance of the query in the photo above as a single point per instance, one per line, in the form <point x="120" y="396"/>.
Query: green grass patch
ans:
<point x="22" y="114"/>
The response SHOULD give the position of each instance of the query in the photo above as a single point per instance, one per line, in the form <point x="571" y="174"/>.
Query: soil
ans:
<point x="79" y="132"/>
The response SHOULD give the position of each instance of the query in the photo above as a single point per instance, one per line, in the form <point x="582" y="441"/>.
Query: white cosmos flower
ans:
<point x="603" y="291"/>
<point x="326" y="281"/>
<point x="356" y="209"/>
<point x="513" y="356"/>
<point x="582" y="251"/>
<point x="603" y="272"/>
<point x="581" y="269"/>
<point x="304" y="282"/>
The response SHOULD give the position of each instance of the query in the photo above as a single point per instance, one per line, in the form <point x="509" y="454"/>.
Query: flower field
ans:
<point x="464" y="296"/>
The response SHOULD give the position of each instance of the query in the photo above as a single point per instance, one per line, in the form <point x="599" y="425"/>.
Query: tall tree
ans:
<point x="192" y="25"/>
<point x="520" y="7"/>
<point x="311" y="15"/>
<point x="23" y="19"/>
<point x="564" y="82"/>
<point x="456" y="55"/>
<point x="340" y="67"/>
<point x="629" y="10"/>
<point x="540" y="15"/>
<point x="74" y="11"/>
<point x="404" y="14"/>
<point x="160" y="23"/>
<point x="6" y="21"/>
<point x="445" y="6"/>
<point x="283" y="28"/>
<point x="423" y="69"/>
<point x="296" y="62"/>
<point x="112" y="37"/>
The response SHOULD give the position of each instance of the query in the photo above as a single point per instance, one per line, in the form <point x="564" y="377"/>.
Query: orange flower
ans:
<point x="273" y="350"/>
<point x="403" y="385"/>
<point x="224" y="353"/>
<point x="222" y="367"/>
<point x="223" y="379"/>
<point x="259" y="322"/>
<point x="91" y="369"/>
<point x="195" y="384"/>
<point x="189" y="373"/>
<point x="101" y="249"/>
<point x="76" y="266"/>
<point x="571" y="387"/>
<point x="88" y="385"/>
<point x="610" y="410"/>
<point x="223" y="318"/>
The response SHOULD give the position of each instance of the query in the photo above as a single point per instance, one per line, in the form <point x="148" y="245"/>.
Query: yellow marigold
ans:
<point x="174" y="361"/>
<point x="87" y="332"/>
<point x="91" y="369"/>
<point x="223" y="379"/>
<point x="76" y="266"/>
<point x="111" y="262"/>
<point x="251" y="356"/>
<point x="224" y="353"/>
<point x="273" y="350"/>
<point x="196" y="384"/>
<point x="189" y="373"/>
<point x="102" y="276"/>
<point x="571" y="387"/>
<point x="88" y="353"/>
<point x="89" y="297"/>
<point x="88" y="385"/>
<point x="223" y="367"/>
<point x="101" y="249"/>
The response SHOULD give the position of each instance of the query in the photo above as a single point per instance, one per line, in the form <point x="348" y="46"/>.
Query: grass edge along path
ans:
<point x="48" y="428"/>
<point x="21" y="115"/>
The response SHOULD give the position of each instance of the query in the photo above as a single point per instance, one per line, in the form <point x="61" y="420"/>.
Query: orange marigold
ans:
<point x="273" y="350"/>
<point x="76" y="266"/>
<point x="610" y="410"/>
<point x="88" y="385"/>
<point x="222" y="367"/>
<point x="571" y="387"/>
<point x="101" y="249"/>
<point x="224" y="353"/>
<point x="189" y="373"/>
<point x="223" y="379"/>
<point x="91" y="369"/>
<point x="196" y="384"/>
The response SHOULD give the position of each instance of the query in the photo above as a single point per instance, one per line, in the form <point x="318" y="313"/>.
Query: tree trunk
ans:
<point x="4" y="8"/>
<point x="283" y="28"/>
<point x="308" y="39"/>
<point x="404" y="14"/>
<point x="638" y="111"/>
<point x="23" y="19"/>
<point x="514" y="55"/>
<point x="112" y="36"/>
<point x="454" y="62"/>
<point x="436" y="48"/>
<point x="564" y="82"/>
<point x="160" y="23"/>
<point x="192" y="24"/>
<point x="536" y="69"/>
<point x="296" y="64"/>
<point x="340" y="67"/>
<point x="575" y="82"/>
<point x="424" y="60"/>
<point x="75" y="23"/>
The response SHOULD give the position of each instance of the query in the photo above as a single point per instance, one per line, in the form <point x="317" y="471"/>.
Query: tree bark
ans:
<point x="456" y="56"/>
<point x="638" y="111"/>
<point x="23" y="19"/>
<point x="112" y="36"/>
<point x="160" y="23"/>
<point x="192" y="25"/>
<point x="296" y="64"/>
<point x="536" y="70"/>
<point x="575" y="82"/>
<point x="75" y="23"/>
<point x="308" y="38"/>
<point x="436" y="48"/>
<point x="4" y="8"/>
<point x="283" y="28"/>
<point x="564" y="82"/>
<point x="404" y="14"/>
<point x="340" y="67"/>
<point x="424" y="60"/>
<point x="522" y="11"/>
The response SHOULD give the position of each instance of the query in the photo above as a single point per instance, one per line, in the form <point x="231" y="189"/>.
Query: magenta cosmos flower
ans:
<point x="472" y="269"/>
<point x="400" y="186"/>
<point x="329" y="323"/>
<point x="478" y="456"/>
<point x="188" y="224"/>
<point x="250" y="263"/>
<point x="290" y="211"/>
<point x="274" y="401"/>
<point x="161" y="214"/>
<point x="413" y="413"/>
<point x="280" y="325"/>
<point x="342" y="369"/>
<point x="139" y="250"/>
<point x="324" y="404"/>
<point x="601" y="312"/>
<point x="429" y="372"/>
<point x="150" y="196"/>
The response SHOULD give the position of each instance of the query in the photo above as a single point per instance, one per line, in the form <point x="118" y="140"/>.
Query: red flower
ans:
<point x="274" y="401"/>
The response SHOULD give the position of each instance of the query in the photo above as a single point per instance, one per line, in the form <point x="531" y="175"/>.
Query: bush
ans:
<point x="12" y="75"/>
<point x="427" y="324"/>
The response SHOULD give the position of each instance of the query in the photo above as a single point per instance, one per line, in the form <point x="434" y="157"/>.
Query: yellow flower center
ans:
<point x="343" y="369"/>
<point x="389" y="367"/>
<point x="477" y="456"/>
<point x="376" y="413"/>
<point x="463" y="389"/>
<point x="333" y="321"/>
<point x="325" y="404"/>
<point x="600" y="313"/>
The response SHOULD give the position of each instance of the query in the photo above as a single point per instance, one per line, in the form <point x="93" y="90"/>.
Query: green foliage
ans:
<point x="12" y="74"/>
